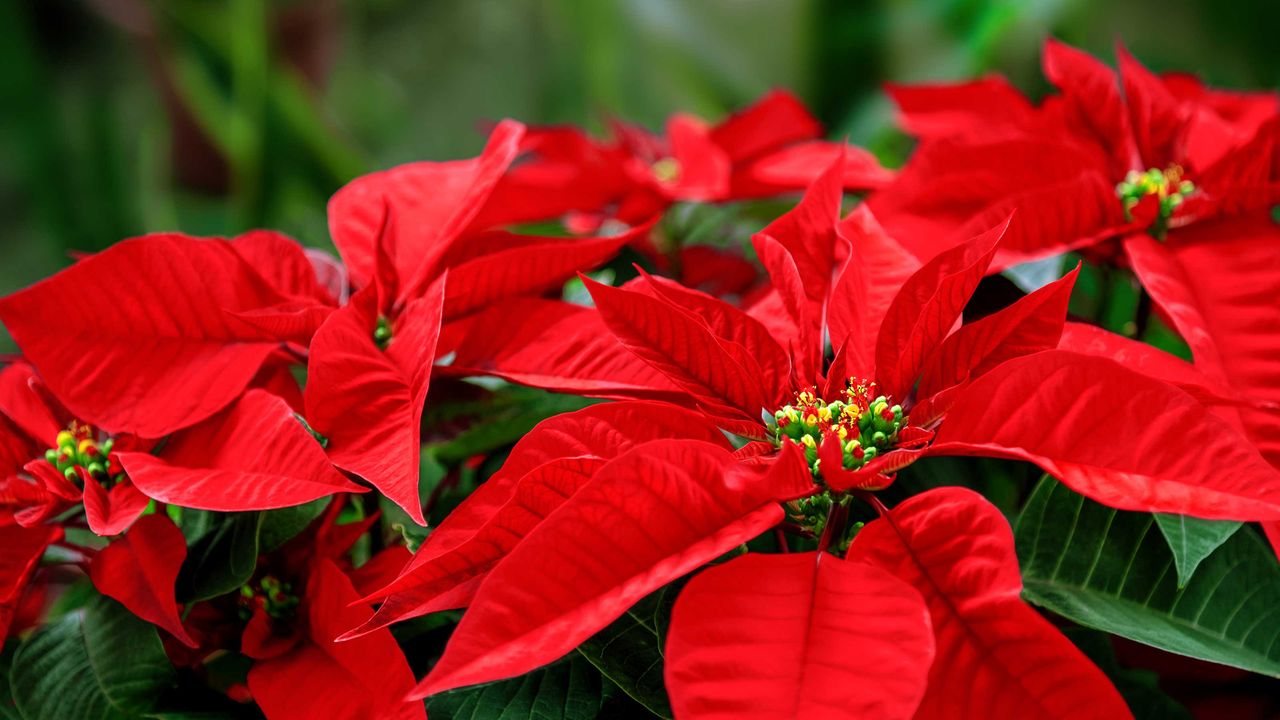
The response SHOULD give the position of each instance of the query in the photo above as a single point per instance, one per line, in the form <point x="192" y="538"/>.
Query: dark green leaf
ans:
<point x="1193" y="539"/>
<point x="280" y="526"/>
<point x="1139" y="687"/>
<point x="629" y="652"/>
<point x="222" y="559"/>
<point x="568" y="690"/>
<point x="8" y="711"/>
<point x="1112" y="570"/>
<point x="102" y="664"/>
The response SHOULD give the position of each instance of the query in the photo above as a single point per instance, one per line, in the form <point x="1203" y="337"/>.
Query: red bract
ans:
<point x="22" y="550"/>
<point x="1112" y="154"/>
<point x="140" y="569"/>
<point x="773" y="147"/>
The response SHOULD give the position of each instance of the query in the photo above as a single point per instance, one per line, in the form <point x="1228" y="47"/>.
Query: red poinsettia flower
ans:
<point x="254" y="455"/>
<point x="1113" y="155"/>
<point x="1181" y="175"/>
<point x="425" y="251"/>
<point x="772" y="147"/>
<point x="598" y="508"/>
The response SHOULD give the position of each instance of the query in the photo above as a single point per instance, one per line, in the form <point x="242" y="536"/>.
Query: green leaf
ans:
<point x="1140" y="688"/>
<point x="281" y="526"/>
<point x="222" y="559"/>
<point x="1112" y="570"/>
<point x="568" y="690"/>
<point x="102" y="664"/>
<point x="630" y="651"/>
<point x="8" y="711"/>
<point x="1193" y="539"/>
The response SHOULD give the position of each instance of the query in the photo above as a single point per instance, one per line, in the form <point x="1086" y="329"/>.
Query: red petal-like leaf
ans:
<point x="1091" y="101"/>
<point x="557" y="346"/>
<point x="23" y="401"/>
<point x="284" y="264"/>
<point x="1031" y="324"/>
<point x="162" y="350"/>
<point x="254" y="456"/>
<point x="646" y="518"/>
<point x="797" y="636"/>
<point x="432" y="203"/>
<point x="808" y="232"/>
<point x="140" y="569"/>
<point x="683" y="349"/>
<point x="1117" y="436"/>
<point x="925" y="309"/>
<point x="109" y="511"/>
<point x="363" y="678"/>
<point x="1156" y="116"/>
<point x="776" y="119"/>
<point x="368" y="401"/>
<point x="987" y="107"/>
<point x="20" y="551"/>
<point x="996" y="657"/>
<point x="876" y="270"/>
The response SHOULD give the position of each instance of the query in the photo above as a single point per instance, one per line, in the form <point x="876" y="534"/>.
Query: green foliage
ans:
<point x="629" y="651"/>
<point x="100" y="664"/>
<point x="569" y="690"/>
<point x="223" y="548"/>
<point x="1139" y="687"/>
<point x="1192" y="540"/>
<point x="1112" y="570"/>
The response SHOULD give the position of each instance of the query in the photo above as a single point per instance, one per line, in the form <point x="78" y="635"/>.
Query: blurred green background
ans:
<point x="128" y="116"/>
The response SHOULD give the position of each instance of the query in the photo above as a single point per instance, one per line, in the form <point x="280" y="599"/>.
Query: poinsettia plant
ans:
<point x="528" y="448"/>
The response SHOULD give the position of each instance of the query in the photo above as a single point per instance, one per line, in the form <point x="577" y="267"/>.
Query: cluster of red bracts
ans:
<point x="174" y="357"/>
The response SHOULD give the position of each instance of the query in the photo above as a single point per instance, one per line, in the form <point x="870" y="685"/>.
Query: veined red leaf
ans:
<point x="535" y="496"/>
<point x="598" y="431"/>
<point x="876" y="270"/>
<point x="1031" y="324"/>
<point x="799" y="165"/>
<point x="797" y="636"/>
<point x="1217" y="281"/>
<point x="527" y="269"/>
<point x="1115" y="435"/>
<point x="140" y="569"/>
<point x="683" y="349"/>
<point x="557" y="346"/>
<point x="996" y="657"/>
<point x="283" y="263"/>
<point x="165" y="351"/>
<point x="989" y="106"/>
<point x="431" y="202"/>
<point x="808" y="232"/>
<point x="254" y="456"/>
<point x="1156" y="116"/>
<point x="789" y="309"/>
<point x="926" y="307"/>
<point x="368" y="401"/>
<point x="776" y="119"/>
<point x="646" y="518"/>
<point x="1091" y="101"/>
<point x="23" y="548"/>
<point x="23" y="402"/>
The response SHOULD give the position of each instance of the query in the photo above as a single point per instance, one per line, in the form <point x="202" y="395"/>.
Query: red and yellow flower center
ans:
<point x="864" y="423"/>
<point x="78" y="447"/>
<point x="273" y="596"/>
<point x="1168" y="186"/>
<point x="666" y="170"/>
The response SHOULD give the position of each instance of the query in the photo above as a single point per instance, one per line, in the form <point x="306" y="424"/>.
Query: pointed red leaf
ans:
<point x="797" y="166"/>
<point x="776" y="119"/>
<point x="20" y="552"/>
<point x="876" y="270"/>
<point x="162" y="349"/>
<point x="1217" y="281"/>
<point x="254" y="456"/>
<point x="1119" y="437"/>
<point x="363" y="678"/>
<point x="683" y="349"/>
<point x="789" y="310"/>
<point x="925" y="309"/>
<point x="432" y="204"/>
<point x="808" y="232"/>
<point x="24" y="401"/>
<point x="110" y="511"/>
<point x="140" y="569"/>
<point x="1031" y="324"/>
<point x="996" y="657"/>
<point x="368" y="401"/>
<point x="774" y="636"/>
<point x="1156" y="116"/>
<point x="646" y="518"/>
<point x="283" y="263"/>
<point x="985" y="107"/>
<point x="528" y="269"/>
<point x="1091" y="101"/>
<point x="535" y="496"/>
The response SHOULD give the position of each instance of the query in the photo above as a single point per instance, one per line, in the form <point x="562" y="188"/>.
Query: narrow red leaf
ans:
<point x="163" y="350"/>
<point x="254" y="456"/>
<point x="1031" y="324"/>
<point x="1111" y="433"/>
<point x="1091" y="101"/>
<point x="797" y="636"/>
<point x="996" y="657"/>
<point x="368" y="401"/>
<point x="646" y="518"/>
<point x="283" y="263"/>
<point x="110" y="511"/>
<point x="987" y="107"/>
<point x="926" y="307"/>
<point x="139" y="570"/>
<point x="808" y="232"/>
<point x="22" y="550"/>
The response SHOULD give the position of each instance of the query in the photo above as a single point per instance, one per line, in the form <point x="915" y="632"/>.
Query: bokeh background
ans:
<point x="120" y="117"/>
